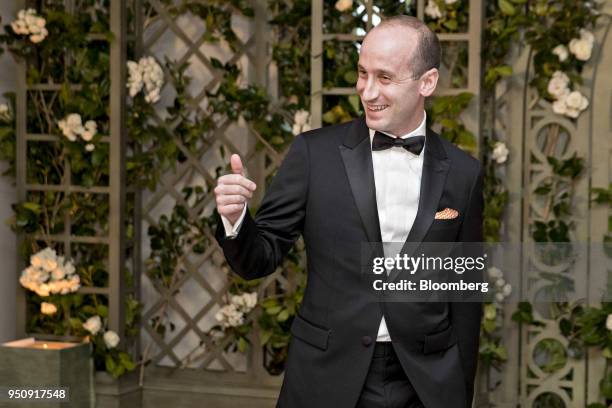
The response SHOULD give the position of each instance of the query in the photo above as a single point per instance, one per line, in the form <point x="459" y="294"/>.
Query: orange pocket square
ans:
<point x="447" y="214"/>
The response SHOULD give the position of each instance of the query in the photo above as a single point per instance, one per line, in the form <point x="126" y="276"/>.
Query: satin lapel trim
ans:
<point x="360" y="172"/>
<point x="435" y="170"/>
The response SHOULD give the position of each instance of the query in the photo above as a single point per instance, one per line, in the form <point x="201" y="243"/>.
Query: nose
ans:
<point x="368" y="89"/>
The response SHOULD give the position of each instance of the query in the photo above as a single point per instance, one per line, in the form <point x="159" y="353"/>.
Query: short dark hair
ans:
<point x="427" y="54"/>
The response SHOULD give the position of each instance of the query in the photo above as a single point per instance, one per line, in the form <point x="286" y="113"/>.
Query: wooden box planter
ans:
<point x="39" y="364"/>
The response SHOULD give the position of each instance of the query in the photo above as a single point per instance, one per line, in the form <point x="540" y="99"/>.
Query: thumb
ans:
<point x="236" y="164"/>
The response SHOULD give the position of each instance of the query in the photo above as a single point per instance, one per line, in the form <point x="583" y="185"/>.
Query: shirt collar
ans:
<point x="419" y="131"/>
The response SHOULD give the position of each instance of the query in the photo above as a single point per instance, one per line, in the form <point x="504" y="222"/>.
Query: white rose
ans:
<point x="111" y="339"/>
<point x="559" y="107"/>
<point x="557" y="86"/>
<point x="237" y="300"/>
<point x="581" y="48"/>
<point x="58" y="273"/>
<point x="432" y="10"/>
<point x="449" y="2"/>
<point x="575" y="100"/>
<point x="42" y="290"/>
<point x="4" y="109"/>
<point x="499" y="297"/>
<point x="301" y="117"/>
<point x="609" y="322"/>
<point x="36" y="38"/>
<point x="48" y="308"/>
<point x="87" y="135"/>
<point x="93" y="325"/>
<point x="49" y="265"/>
<point x="561" y="52"/>
<point x="500" y="282"/>
<point x="91" y="126"/>
<point x="250" y="300"/>
<point x="344" y="5"/>
<point x="507" y="290"/>
<point x="500" y="152"/>
<point x="494" y="272"/>
<point x="90" y="147"/>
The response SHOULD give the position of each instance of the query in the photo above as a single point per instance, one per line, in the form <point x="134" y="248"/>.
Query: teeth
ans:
<point x="378" y="108"/>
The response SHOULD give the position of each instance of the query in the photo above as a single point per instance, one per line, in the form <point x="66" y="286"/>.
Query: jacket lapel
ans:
<point x="357" y="156"/>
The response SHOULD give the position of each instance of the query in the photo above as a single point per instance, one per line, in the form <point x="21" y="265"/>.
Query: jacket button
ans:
<point x="366" y="340"/>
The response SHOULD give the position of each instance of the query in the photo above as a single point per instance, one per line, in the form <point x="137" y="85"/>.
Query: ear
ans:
<point x="429" y="80"/>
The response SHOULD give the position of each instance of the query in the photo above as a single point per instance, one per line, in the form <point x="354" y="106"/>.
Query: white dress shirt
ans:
<point x="397" y="176"/>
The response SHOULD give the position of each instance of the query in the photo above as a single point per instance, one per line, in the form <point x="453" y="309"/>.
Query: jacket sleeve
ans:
<point x="262" y="243"/>
<point x="466" y="316"/>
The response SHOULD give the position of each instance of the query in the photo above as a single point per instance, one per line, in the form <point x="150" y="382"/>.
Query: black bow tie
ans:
<point x="413" y="144"/>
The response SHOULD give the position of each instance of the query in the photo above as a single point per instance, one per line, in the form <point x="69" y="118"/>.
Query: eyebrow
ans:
<point x="380" y="72"/>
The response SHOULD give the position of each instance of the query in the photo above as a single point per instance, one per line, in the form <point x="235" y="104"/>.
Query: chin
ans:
<point x="375" y="124"/>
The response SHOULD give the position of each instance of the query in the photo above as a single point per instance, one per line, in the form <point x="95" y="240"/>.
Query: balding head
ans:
<point x="426" y="55"/>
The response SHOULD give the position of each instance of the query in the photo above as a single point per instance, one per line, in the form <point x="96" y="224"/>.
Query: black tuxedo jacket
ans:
<point x="325" y="191"/>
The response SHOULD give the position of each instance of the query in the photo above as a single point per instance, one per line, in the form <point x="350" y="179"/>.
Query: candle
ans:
<point x="40" y="344"/>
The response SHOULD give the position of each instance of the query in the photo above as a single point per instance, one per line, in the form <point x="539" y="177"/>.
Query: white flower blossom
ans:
<point x="558" y="84"/>
<point x="111" y="339"/>
<point x="93" y="325"/>
<point x="344" y="5"/>
<point x="499" y="297"/>
<point x="5" y="112"/>
<point x="500" y="282"/>
<point x="561" y="52"/>
<point x="559" y="107"/>
<point x="30" y="24"/>
<point x="301" y="122"/>
<point x="145" y="75"/>
<point x="48" y="308"/>
<point x="507" y="290"/>
<point x="571" y="104"/>
<point x="582" y="47"/>
<point x="609" y="322"/>
<point x="233" y="314"/>
<point x="449" y="2"/>
<point x="49" y="274"/>
<point x="90" y="147"/>
<point x="230" y="316"/>
<point x="494" y="272"/>
<point x="500" y="152"/>
<point x="432" y="10"/>
<point x="72" y="127"/>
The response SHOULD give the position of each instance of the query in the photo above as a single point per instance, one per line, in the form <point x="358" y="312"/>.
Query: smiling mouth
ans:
<point x="377" y="108"/>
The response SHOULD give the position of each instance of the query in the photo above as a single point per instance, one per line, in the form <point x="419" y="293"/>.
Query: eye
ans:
<point x="385" y="79"/>
<point x="362" y="73"/>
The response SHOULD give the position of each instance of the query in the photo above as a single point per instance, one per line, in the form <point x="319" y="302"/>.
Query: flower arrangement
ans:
<point x="72" y="127"/>
<point x="116" y="362"/>
<point x="49" y="274"/>
<point x="301" y="122"/>
<point x="234" y="312"/>
<point x="147" y="75"/>
<point x="29" y="23"/>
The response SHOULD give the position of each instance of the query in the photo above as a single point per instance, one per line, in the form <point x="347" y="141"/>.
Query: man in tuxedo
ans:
<point x="382" y="178"/>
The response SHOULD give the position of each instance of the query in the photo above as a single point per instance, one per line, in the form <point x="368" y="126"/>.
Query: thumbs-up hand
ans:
<point x="233" y="191"/>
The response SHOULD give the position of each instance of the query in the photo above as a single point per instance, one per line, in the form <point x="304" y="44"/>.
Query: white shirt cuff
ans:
<point x="231" y="231"/>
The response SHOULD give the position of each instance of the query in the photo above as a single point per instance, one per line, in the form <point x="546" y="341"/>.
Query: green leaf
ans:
<point x="102" y="310"/>
<point x="34" y="207"/>
<point x="506" y="7"/>
<point x="283" y="316"/>
<point x="242" y="345"/>
<point x="350" y="77"/>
